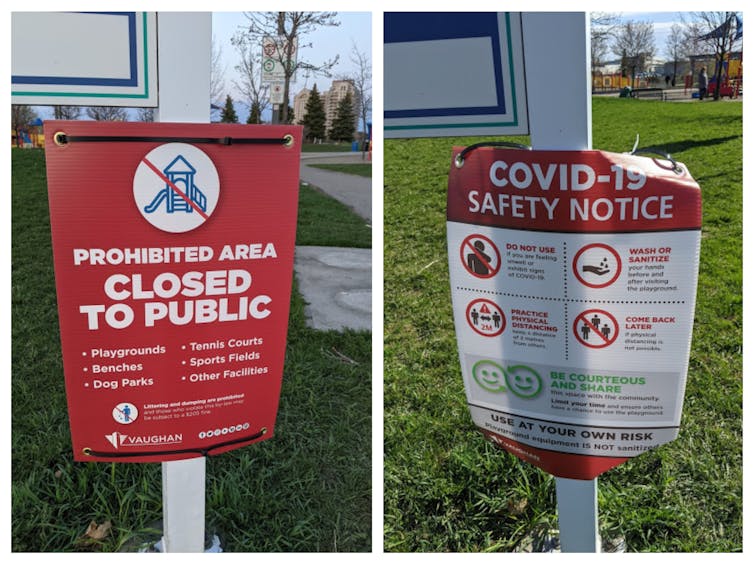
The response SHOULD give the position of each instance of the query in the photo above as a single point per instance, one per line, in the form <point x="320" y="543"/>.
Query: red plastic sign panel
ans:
<point x="591" y="258"/>
<point x="173" y="248"/>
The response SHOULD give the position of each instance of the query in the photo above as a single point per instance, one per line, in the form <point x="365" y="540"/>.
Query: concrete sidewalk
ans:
<point x="336" y="282"/>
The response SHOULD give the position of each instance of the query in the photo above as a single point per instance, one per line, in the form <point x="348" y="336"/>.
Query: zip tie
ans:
<point x="636" y="145"/>
<point x="665" y="155"/>
<point x="460" y="156"/>
<point x="675" y="166"/>
<point x="62" y="139"/>
<point x="202" y="451"/>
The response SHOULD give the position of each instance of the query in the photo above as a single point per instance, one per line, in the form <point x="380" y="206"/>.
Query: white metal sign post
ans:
<point x="184" y="41"/>
<point x="561" y="119"/>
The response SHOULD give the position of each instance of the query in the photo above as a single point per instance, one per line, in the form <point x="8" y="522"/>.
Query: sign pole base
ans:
<point x="577" y="515"/>
<point x="183" y="505"/>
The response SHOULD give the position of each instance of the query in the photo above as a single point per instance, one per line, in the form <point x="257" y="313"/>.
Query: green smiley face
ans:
<point x="489" y="375"/>
<point x="523" y="381"/>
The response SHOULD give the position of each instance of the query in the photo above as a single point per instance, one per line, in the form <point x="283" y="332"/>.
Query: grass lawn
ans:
<point x="326" y="147"/>
<point x="360" y="169"/>
<point x="344" y="228"/>
<point x="446" y="488"/>
<point x="307" y="489"/>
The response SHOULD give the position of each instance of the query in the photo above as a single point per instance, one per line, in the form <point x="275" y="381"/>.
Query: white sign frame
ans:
<point x="424" y="99"/>
<point x="101" y="58"/>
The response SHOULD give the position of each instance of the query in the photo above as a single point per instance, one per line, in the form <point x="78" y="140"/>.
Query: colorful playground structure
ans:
<point x="31" y="137"/>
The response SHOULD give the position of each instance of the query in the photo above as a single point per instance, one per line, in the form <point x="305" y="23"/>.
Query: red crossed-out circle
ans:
<point x="600" y="339"/>
<point x="468" y="247"/>
<point x="482" y="305"/>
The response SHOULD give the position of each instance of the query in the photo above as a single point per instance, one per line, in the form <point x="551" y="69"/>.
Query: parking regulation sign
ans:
<point x="587" y="261"/>
<point x="173" y="249"/>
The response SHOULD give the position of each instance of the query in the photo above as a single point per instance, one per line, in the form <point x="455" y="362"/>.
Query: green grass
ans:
<point x="360" y="169"/>
<point x="325" y="147"/>
<point x="306" y="489"/>
<point x="325" y="222"/>
<point x="446" y="488"/>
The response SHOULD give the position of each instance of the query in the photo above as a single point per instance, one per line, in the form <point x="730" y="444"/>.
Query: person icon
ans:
<point x="595" y="321"/>
<point x="474" y="316"/>
<point x="585" y="330"/>
<point x="478" y="260"/>
<point x="496" y="319"/>
<point x="606" y="331"/>
<point x="126" y="414"/>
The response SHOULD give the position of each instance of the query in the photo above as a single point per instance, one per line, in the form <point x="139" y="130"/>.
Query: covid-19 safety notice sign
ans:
<point x="573" y="279"/>
<point x="173" y="249"/>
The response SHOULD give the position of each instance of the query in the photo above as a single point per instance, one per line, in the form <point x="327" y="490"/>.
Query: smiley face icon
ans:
<point x="489" y="375"/>
<point x="523" y="381"/>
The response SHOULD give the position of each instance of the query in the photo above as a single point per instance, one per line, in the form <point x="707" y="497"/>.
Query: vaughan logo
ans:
<point x="120" y="440"/>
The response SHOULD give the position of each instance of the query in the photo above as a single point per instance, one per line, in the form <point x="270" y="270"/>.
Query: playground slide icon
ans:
<point x="176" y="187"/>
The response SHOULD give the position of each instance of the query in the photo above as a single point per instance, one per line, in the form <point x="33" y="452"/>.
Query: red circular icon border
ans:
<point x="602" y="311"/>
<point x="502" y="314"/>
<point x="591" y="246"/>
<point x="494" y="247"/>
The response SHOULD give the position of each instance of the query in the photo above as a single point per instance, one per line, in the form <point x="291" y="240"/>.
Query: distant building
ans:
<point x="330" y="100"/>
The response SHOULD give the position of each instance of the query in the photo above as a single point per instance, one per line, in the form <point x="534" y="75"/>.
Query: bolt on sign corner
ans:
<point x="173" y="249"/>
<point x="573" y="279"/>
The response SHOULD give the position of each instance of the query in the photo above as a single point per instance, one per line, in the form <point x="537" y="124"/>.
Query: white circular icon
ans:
<point x="125" y="413"/>
<point x="176" y="187"/>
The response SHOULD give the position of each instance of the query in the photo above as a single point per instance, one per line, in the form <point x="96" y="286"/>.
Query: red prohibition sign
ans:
<point x="270" y="48"/>
<point x="598" y="269"/>
<point x="592" y="330"/>
<point x="485" y="317"/>
<point x="476" y="259"/>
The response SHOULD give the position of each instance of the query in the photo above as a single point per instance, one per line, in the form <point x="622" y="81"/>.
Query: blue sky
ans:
<point x="662" y="21"/>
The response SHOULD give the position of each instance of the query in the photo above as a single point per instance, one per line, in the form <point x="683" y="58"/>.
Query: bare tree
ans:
<point x="676" y="47"/>
<point x="21" y="117"/>
<point x="288" y="29"/>
<point x="106" y="113"/>
<point x="145" y="114"/>
<point x="362" y="83"/>
<point x="216" y="73"/>
<point x="635" y="44"/>
<point x="692" y="31"/>
<point x="249" y="69"/>
<point x="602" y="26"/>
<point x="720" y="33"/>
<point x="66" y="112"/>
